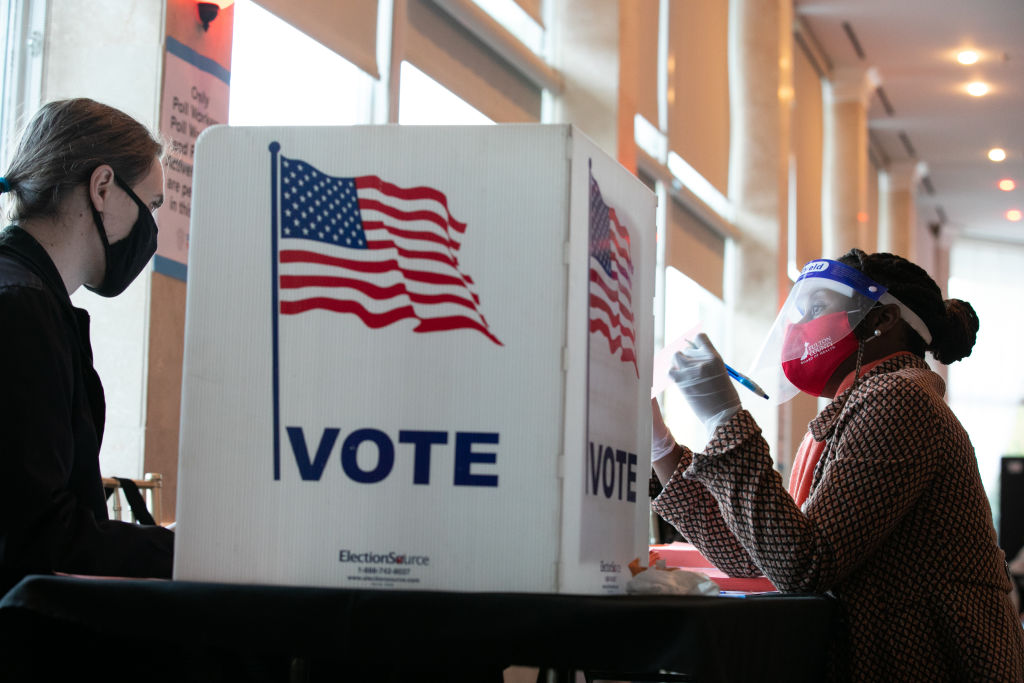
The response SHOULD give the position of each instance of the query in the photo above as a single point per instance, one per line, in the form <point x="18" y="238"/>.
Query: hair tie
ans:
<point x="4" y="185"/>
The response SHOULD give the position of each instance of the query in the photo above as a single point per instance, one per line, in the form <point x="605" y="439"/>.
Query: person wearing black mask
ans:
<point x="81" y="189"/>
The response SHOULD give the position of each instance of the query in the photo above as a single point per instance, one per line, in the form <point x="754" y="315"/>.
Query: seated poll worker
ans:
<point x="82" y="186"/>
<point x="885" y="508"/>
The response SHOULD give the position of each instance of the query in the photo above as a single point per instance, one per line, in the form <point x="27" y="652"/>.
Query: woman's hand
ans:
<point x="700" y="374"/>
<point x="664" y="451"/>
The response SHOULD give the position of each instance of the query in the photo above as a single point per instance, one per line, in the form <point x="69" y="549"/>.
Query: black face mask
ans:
<point x="128" y="256"/>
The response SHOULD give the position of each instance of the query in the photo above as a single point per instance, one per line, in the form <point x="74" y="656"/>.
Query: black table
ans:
<point x="193" y="631"/>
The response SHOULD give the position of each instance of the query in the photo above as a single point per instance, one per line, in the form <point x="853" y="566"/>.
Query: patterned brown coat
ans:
<point x="896" y="526"/>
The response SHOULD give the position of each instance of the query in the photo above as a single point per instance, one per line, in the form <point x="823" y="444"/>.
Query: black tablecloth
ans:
<point x="205" y="631"/>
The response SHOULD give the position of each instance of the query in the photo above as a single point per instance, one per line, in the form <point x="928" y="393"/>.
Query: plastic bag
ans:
<point x="660" y="580"/>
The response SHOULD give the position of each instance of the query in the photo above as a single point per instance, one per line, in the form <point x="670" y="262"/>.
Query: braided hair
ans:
<point x="953" y="323"/>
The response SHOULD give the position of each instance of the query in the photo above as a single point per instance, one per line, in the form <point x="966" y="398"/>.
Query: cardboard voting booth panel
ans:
<point x="416" y="358"/>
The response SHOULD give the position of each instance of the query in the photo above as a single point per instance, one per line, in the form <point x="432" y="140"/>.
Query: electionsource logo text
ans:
<point x="345" y="555"/>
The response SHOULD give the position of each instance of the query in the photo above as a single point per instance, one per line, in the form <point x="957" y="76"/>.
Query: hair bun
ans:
<point x="959" y="332"/>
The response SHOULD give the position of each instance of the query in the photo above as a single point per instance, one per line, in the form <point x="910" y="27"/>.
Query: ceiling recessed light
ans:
<point x="1007" y="184"/>
<point x="997" y="154"/>
<point x="977" y="88"/>
<point x="1014" y="215"/>
<point x="967" y="57"/>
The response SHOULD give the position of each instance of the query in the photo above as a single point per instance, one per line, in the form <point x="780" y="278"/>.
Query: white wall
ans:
<point x="986" y="389"/>
<point x="111" y="51"/>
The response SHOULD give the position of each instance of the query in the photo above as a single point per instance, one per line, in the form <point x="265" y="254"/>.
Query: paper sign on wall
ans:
<point x="195" y="96"/>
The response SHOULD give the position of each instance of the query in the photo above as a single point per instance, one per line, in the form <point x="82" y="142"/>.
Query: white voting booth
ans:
<point x="416" y="358"/>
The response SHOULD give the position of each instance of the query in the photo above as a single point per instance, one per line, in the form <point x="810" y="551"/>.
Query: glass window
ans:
<point x="987" y="275"/>
<point x="21" y="58"/>
<point x="695" y="248"/>
<point x="517" y="21"/>
<point x="689" y="308"/>
<point x="350" y="28"/>
<point x="467" y="63"/>
<point x="424" y="101"/>
<point x="281" y="76"/>
<point x="698" y="88"/>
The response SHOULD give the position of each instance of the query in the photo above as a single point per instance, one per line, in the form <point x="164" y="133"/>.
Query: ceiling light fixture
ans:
<point x="1014" y="215"/>
<point x="977" y="88"/>
<point x="997" y="154"/>
<point x="1007" y="185"/>
<point x="967" y="57"/>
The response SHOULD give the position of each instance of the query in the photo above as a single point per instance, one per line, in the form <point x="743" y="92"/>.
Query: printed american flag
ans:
<point x="611" y="279"/>
<point x="365" y="247"/>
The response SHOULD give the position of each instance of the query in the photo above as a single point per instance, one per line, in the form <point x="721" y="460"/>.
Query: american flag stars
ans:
<point x="320" y="207"/>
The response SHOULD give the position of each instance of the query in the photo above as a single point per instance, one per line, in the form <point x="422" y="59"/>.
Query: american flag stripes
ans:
<point x="365" y="247"/>
<point x="611" y="279"/>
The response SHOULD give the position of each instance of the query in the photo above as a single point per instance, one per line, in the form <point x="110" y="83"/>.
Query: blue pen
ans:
<point x="739" y="377"/>
<point x="746" y="381"/>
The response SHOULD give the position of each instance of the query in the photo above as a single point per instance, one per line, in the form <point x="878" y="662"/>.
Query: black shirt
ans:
<point x="53" y="513"/>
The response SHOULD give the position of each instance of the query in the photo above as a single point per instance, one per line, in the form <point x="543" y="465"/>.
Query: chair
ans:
<point x="151" y="487"/>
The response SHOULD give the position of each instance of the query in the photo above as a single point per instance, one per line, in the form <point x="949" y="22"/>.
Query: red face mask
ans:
<point x="817" y="347"/>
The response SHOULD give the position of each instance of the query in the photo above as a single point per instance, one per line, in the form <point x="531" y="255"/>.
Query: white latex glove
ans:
<point x="662" y="441"/>
<point x="700" y="374"/>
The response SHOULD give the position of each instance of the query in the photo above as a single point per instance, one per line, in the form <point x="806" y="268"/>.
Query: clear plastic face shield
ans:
<point x="813" y="332"/>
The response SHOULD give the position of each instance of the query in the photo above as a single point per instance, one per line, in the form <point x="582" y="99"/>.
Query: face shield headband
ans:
<point x="813" y="332"/>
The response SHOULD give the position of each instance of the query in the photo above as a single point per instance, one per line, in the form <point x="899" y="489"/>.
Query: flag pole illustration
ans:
<point x="611" y="278"/>
<point x="364" y="247"/>
<point x="275" y="147"/>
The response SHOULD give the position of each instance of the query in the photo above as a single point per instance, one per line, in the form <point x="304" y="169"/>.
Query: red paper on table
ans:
<point x="685" y="556"/>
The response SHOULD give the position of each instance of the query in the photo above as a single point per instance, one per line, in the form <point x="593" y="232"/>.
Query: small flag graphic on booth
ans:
<point x="611" y="279"/>
<point x="366" y="247"/>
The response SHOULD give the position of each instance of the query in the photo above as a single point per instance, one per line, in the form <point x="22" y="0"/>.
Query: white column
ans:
<point x="897" y="223"/>
<point x="584" y="37"/>
<point x="844" y="201"/>
<point x="760" y="93"/>
<point x="123" y="72"/>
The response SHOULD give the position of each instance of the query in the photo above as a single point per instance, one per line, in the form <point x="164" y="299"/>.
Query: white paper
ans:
<point x="663" y="360"/>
